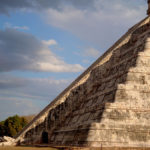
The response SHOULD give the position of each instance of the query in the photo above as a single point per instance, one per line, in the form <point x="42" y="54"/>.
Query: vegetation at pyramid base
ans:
<point x="12" y="125"/>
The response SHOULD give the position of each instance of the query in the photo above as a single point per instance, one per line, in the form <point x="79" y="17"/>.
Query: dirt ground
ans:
<point x="25" y="148"/>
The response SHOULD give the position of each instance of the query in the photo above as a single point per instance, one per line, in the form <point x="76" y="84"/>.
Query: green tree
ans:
<point x="2" y="128"/>
<point x="12" y="125"/>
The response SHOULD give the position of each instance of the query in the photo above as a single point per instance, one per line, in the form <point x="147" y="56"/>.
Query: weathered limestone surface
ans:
<point x="7" y="141"/>
<point x="107" y="106"/>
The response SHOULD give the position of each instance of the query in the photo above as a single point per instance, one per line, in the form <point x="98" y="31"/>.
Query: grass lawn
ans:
<point x="25" y="148"/>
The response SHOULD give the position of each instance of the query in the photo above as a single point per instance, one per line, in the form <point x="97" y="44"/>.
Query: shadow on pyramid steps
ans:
<point x="110" y="107"/>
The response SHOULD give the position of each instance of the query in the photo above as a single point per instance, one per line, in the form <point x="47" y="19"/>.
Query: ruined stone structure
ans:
<point x="107" y="106"/>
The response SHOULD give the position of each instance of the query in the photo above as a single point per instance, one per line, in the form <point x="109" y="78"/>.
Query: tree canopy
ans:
<point x="12" y="125"/>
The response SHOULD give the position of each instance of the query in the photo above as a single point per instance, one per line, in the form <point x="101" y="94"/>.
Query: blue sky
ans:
<point x="46" y="44"/>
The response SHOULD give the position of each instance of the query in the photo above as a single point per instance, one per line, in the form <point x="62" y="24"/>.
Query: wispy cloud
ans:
<point x="31" y="88"/>
<point x="21" y="27"/>
<point x="9" y="25"/>
<point x="91" y="52"/>
<point x="50" y="42"/>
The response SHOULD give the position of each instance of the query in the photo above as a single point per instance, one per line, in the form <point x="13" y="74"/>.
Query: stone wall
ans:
<point x="109" y="107"/>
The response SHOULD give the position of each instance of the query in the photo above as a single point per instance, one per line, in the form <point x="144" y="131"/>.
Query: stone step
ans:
<point x="140" y="70"/>
<point x="127" y="124"/>
<point x="137" y="78"/>
<point x="123" y="94"/>
<point x="123" y="125"/>
<point x="111" y="118"/>
<point x="129" y="115"/>
<point x="143" y="61"/>
<point x="110" y="135"/>
<point x="132" y="104"/>
<point x="144" y="54"/>
<point x="145" y="88"/>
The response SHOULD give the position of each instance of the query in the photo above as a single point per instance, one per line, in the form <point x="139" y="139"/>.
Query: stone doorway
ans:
<point x="45" y="137"/>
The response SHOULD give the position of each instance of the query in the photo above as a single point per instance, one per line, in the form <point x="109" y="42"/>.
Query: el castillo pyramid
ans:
<point x="105" y="107"/>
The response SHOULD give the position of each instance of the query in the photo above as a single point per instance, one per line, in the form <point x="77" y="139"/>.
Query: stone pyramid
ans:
<point x="107" y="106"/>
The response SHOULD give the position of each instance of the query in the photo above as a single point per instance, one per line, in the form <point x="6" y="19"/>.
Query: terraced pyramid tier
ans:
<point x="107" y="106"/>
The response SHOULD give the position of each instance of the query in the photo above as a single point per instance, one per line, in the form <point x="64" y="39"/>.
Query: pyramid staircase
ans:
<point x="112" y="108"/>
<point x="107" y="106"/>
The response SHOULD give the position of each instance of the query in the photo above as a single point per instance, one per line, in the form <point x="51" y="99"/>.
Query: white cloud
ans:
<point x="62" y="67"/>
<point x="49" y="42"/>
<point x="23" y="51"/>
<point x="9" y="25"/>
<point x="21" y="27"/>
